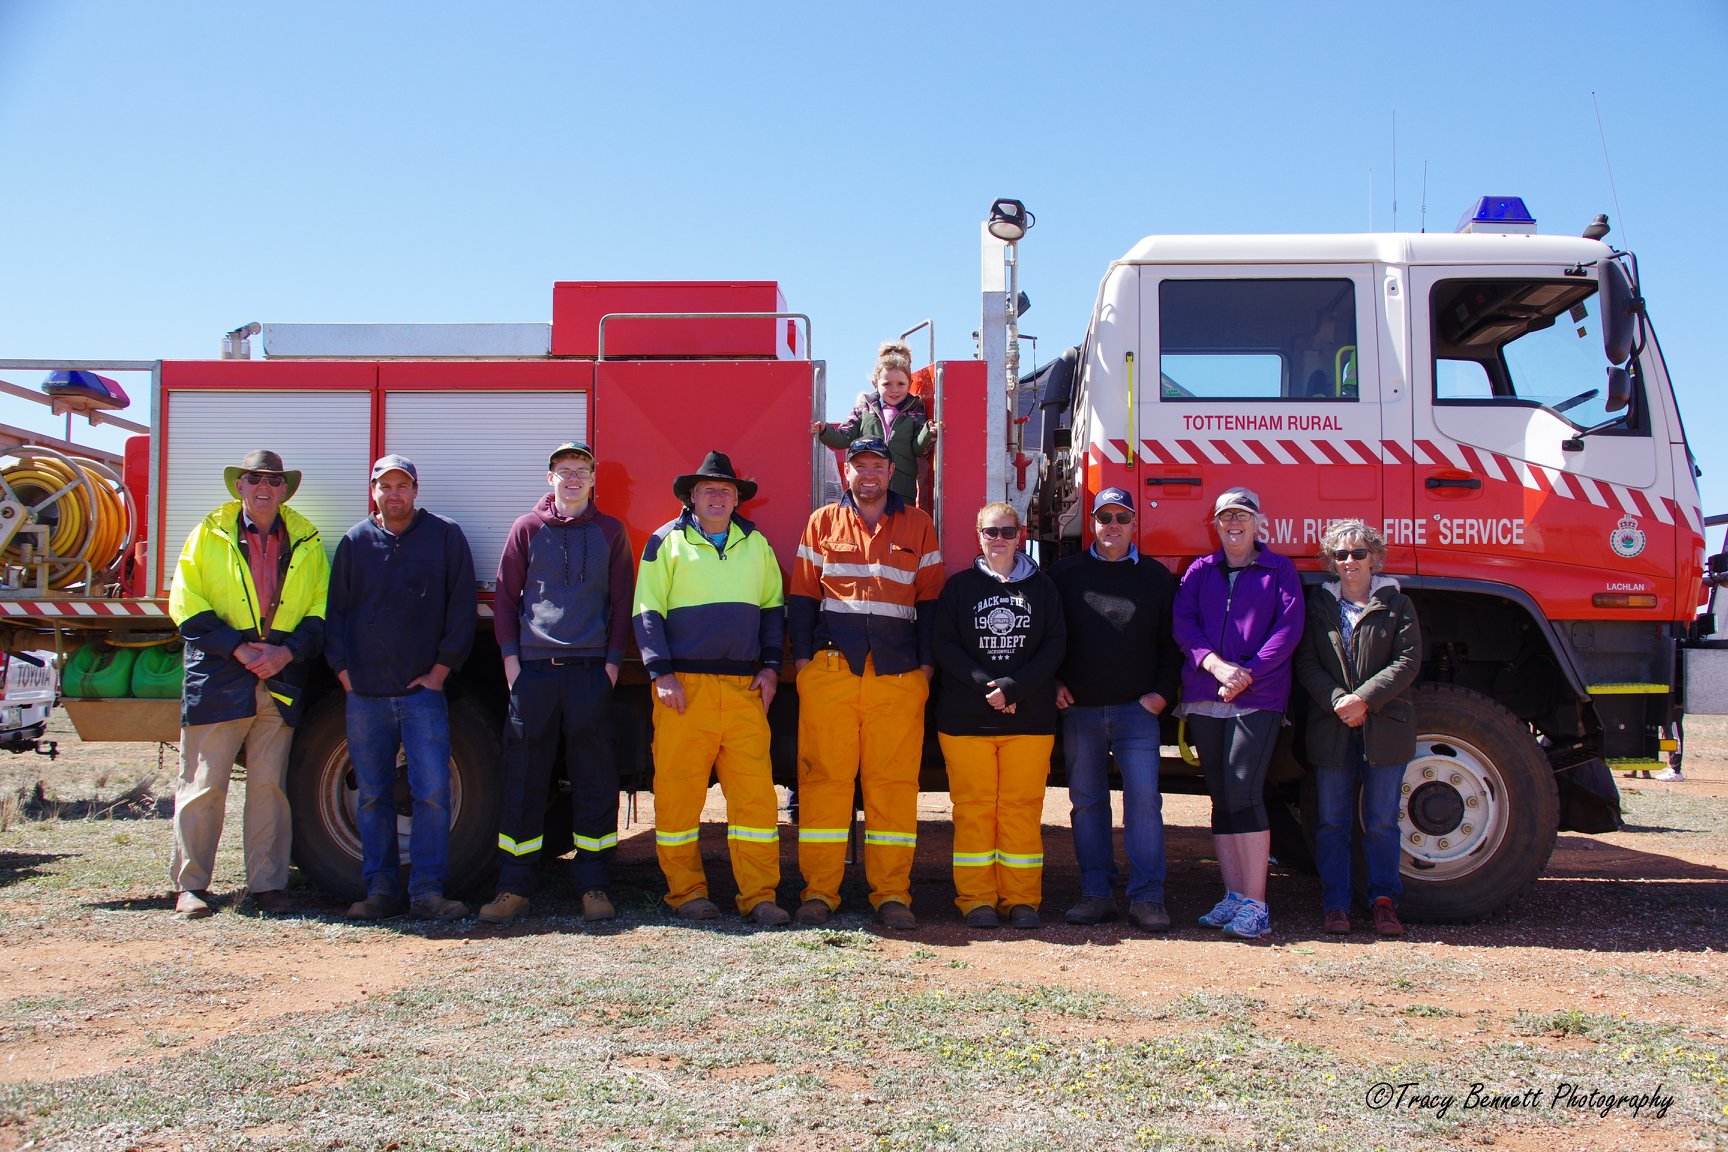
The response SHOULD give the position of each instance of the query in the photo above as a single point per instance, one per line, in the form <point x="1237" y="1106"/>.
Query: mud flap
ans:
<point x="1589" y="798"/>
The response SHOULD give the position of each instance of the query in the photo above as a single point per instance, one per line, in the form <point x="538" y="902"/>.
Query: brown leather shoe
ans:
<point x="505" y="908"/>
<point x="275" y="902"/>
<point x="1386" y="922"/>
<point x="596" y="905"/>
<point x="769" y="915"/>
<point x="813" y="913"/>
<point x="1337" y="922"/>
<point x="897" y="916"/>
<point x="1149" y="916"/>
<point x="432" y="906"/>
<point x="378" y="906"/>
<point x="193" y="905"/>
<point x="698" y="908"/>
<point x="1024" y="916"/>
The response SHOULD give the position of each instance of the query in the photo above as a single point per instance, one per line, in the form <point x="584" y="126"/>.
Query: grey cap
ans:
<point x="570" y="448"/>
<point x="1244" y="498"/>
<point x="395" y="463"/>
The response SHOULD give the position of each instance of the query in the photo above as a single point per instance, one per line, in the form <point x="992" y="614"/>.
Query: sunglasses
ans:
<point x="1350" y="554"/>
<point x="1113" y="517"/>
<point x="267" y="478"/>
<point x="995" y="533"/>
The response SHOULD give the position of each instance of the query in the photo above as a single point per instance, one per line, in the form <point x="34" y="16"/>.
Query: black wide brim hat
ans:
<point x="715" y="466"/>
<point x="262" y="460"/>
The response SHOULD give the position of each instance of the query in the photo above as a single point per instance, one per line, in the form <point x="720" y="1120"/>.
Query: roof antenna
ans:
<point x="1394" y="169"/>
<point x="1609" y="164"/>
<point x="1424" y="226"/>
<point x="1370" y="199"/>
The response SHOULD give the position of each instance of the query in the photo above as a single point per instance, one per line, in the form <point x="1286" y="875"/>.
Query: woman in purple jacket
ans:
<point x="1238" y="622"/>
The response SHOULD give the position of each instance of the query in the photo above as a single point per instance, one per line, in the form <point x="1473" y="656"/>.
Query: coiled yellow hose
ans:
<point x="89" y="511"/>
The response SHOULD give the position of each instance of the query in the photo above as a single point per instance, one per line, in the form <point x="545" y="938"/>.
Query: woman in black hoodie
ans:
<point x="999" y="641"/>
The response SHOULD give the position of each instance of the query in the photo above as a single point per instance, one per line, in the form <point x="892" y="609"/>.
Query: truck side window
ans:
<point x="1257" y="340"/>
<point x="1525" y="343"/>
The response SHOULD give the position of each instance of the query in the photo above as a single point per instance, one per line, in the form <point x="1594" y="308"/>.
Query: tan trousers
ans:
<point x="207" y="754"/>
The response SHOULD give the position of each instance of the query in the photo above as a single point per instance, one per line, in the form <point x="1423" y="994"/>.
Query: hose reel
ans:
<point x="64" y="520"/>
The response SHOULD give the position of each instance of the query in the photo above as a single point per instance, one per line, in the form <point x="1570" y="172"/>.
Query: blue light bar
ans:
<point x="1502" y="210"/>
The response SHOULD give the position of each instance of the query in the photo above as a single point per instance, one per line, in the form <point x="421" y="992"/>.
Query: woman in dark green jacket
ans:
<point x="1361" y="653"/>
<point x="892" y="414"/>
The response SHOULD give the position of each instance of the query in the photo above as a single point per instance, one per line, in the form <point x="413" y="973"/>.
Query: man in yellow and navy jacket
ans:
<point x="862" y="612"/>
<point x="248" y="598"/>
<point x="709" y="611"/>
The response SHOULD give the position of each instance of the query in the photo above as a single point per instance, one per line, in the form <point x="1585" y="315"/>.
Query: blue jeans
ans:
<point x="1336" y="789"/>
<point x="418" y="723"/>
<point x="1089" y="737"/>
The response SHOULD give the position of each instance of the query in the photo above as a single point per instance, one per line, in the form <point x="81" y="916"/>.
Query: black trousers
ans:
<point x="548" y="701"/>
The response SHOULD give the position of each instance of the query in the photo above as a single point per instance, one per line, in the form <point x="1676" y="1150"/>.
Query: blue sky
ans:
<point x="171" y="171"/>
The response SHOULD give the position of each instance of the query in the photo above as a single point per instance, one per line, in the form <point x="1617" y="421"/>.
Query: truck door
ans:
<point x="1262" y="376"/>
<point x="1508" y="370"/>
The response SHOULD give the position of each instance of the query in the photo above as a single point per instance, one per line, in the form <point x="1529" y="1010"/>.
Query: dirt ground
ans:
<point x="1628" y="924"/>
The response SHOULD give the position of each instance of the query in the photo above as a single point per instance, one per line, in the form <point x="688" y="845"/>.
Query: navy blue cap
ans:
<point x="1113" y="496"/>
<point x="867" y="444"/>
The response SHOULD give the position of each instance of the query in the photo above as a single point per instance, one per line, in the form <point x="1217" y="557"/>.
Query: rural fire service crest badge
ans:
<point x="1627" y="539"/>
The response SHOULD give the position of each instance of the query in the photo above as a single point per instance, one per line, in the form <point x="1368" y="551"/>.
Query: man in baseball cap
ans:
<point x="1117" y="678"/>
<point x="862" y="612"/>
<point x="402" y="608"/>
<point x="566" y="584"/>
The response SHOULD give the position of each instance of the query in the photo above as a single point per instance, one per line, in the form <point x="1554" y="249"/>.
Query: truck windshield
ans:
<point x="1530" y="343"/>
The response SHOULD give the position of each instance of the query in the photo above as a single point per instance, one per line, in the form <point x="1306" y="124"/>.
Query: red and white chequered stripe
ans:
<point x="150" y="608"/>
<point x="1464" y="457"/>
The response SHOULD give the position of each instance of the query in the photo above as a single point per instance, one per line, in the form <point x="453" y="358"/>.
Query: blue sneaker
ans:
<point x="1252" y="921"/>
<point x="1222" y="912"/>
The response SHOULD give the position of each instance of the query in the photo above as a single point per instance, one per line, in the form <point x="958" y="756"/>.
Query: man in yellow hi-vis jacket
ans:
<point x="248" y="598"/>
<point x="710" y="623"/>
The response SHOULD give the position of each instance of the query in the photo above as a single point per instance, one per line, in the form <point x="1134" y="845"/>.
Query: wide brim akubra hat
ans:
<point x="715" y="466"/>
<point x="262" y="460"/>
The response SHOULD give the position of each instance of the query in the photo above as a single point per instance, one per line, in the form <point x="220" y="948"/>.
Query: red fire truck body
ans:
<point x="1494" y="401"/>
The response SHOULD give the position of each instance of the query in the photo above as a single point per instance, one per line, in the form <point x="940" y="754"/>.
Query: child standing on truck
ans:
<point x="892" y="414"/>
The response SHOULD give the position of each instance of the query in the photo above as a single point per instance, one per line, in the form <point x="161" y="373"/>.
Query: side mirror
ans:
<point x="1619" y="389"/>
<point x="1618" y="301"/>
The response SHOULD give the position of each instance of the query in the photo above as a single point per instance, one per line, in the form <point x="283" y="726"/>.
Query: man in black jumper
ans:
<point x="1118" y="677"/>
<point x="400" y="620"/>
<point x="566" y="583"/>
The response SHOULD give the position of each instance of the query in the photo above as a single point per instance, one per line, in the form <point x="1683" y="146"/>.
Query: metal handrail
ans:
<point x="931" y="325"/>
<point x="809" y="342"/>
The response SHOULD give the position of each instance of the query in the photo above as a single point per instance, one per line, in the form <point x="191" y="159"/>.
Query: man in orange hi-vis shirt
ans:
<point x="861" y="611"/>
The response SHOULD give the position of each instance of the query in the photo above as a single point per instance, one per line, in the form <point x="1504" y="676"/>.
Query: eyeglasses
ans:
<point x="995" y="533"/>
<point x="1234" y="516"/>
<point x="1350" y="554"/>
<point x="1113" y="517"/>
<point x="270" y="479"/>
<point x="566" y="474"/>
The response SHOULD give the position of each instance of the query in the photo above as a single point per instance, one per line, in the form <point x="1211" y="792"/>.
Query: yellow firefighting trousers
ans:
<point x="723" y="728"/>
<point x="997" y="784"/>
<point x="850" y="725"/>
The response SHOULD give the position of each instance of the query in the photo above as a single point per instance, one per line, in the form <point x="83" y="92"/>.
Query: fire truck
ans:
<point x="1493" y="399"/>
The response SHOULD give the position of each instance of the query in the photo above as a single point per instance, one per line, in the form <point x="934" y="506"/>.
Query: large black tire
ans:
<point x="323" y="796"/>
<point x="1480" y="811"/>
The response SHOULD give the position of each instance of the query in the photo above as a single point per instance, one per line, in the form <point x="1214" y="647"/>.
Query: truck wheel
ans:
<point x="1480" y="810"/>
<point x="323" y="795"/>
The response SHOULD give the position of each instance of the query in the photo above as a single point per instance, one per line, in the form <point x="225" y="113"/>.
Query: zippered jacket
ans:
<point x="1381" y="666"/>
<point x="1257" y="624"/>
<point x="704" y="609"/>
<point x="909" y="439"/>
<point x="1007" y="631"/>
<point x="400" y="604"/>
<point x="216" y="608"/>
<point x="565" y="586"/>
<point x="867" y="594"/>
